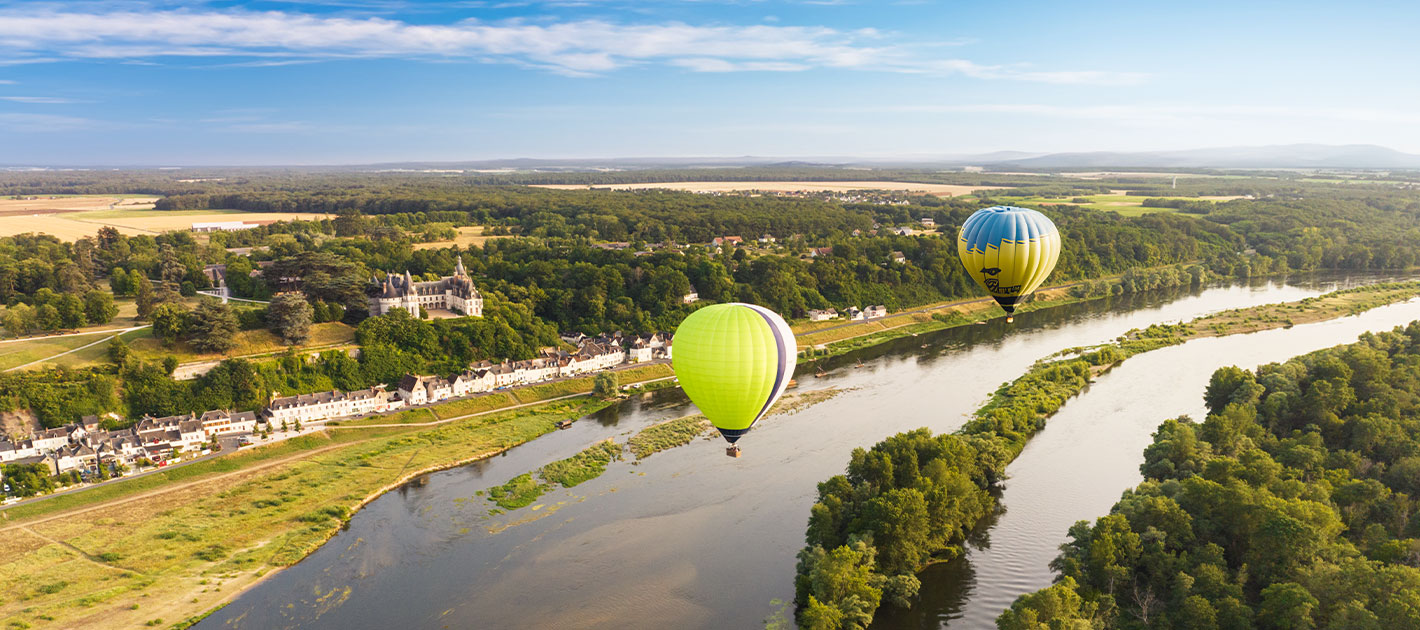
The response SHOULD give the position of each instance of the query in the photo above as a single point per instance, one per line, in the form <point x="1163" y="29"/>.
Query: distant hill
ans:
<point x="1277" y="156"/>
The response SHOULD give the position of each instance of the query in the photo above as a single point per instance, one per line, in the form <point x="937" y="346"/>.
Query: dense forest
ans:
<point x="1293" y="505"/>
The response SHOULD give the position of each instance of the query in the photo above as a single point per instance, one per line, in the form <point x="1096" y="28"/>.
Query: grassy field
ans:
<point x="422" y="415"/>
<point x="22" y="352"/>
<point x="935" y="189"/>
<point x="644" y="373"/>
<point x="948" y="315"/>
<point x="555" y="389"/>
<point x="473" y="405"/>
<point x="468" y="235"/>
<point x="1127" y="205"/>
<point x="249" y="342"/>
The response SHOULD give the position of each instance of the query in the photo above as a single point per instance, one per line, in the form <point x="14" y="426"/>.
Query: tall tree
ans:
<point x="146" y="298"/>
<point x="71" y="310"/>
<point x="212" y="327"/>
<point x="169" y="321"/>
<point x="289" y="315"/>
<point x="99" y="307"/>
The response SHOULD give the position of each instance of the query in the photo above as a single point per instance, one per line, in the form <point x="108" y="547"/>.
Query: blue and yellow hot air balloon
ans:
<point x="734" y="361"/>
<point x="1009" y="251"/>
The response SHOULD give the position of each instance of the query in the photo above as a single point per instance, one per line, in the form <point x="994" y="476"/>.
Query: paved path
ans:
<point x="116" y="331"/>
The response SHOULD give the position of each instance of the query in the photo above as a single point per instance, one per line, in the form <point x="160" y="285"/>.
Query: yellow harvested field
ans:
<point x="75" y="225"/>
<point x="45" y="204"/>
<point x="53" y="224"/>
<point x="181" y="220"/>
<point x="704" y="187"/>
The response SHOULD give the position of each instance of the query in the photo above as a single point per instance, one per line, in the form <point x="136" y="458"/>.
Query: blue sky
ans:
<point x="187" y="82"/>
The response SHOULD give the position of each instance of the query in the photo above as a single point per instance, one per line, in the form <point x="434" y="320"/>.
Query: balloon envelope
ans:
<point x="1009" y="251"/>
<point x="734" y="361"/>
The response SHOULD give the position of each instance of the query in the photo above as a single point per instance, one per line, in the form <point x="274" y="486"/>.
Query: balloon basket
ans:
<point x="1010" y="319"/>
<point x="732" y="450"/>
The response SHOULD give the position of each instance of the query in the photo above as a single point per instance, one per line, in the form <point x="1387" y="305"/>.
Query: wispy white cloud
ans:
<point x="6" y="82"/>
<point x="39" y="100"/>
<point x="586" y="47"/>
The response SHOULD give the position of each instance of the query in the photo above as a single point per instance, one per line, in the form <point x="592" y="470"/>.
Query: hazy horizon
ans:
<point x="326" y="82"/>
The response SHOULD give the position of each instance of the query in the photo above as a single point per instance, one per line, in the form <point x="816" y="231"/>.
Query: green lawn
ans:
<point x="23" y="352"/>
<point x="248" y="342"/>
<point x="1127" y="205"/>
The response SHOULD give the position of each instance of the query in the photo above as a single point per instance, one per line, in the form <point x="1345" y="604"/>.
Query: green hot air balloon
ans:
<point x="1009" y="251"/>
<point x="733" y="361"/>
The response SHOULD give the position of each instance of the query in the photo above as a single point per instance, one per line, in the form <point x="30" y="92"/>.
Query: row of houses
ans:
<point x="593" y="354"/>
<point x="86" y="446"/>
<point x="853" y="313"/>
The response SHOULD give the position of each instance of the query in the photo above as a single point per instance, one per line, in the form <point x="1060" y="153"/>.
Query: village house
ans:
<point x="928" y="222"/>
<point x="855" y="315"/>
<point x="649" y="348"/>
<point x="224" y="422"/>
<point x="690" y="298"/>
<point x="184" y="432"/>
<point x="639" y="352"/>
<point x="726" y="241"/>
<point x="472" y="382"/>
<point x="49" y="439"/>
<point x="766" y="239"/>
<point x="421" y="390"/>
<point x="874" y="312"/>
<point x="817" y="252"/>
<point x="898" y="258"/>
<point x="816" y="315"/>
<point x="12" y="452"/>
<point x="455" y="293"/>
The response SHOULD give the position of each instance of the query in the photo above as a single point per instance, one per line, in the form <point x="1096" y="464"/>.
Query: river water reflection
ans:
<point x="692" y="539"/>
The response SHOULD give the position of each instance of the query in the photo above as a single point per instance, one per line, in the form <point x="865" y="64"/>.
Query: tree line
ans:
<point x="1292" y="505"/>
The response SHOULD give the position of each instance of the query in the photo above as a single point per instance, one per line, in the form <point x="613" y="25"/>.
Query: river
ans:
<point x="692" y="539"/>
